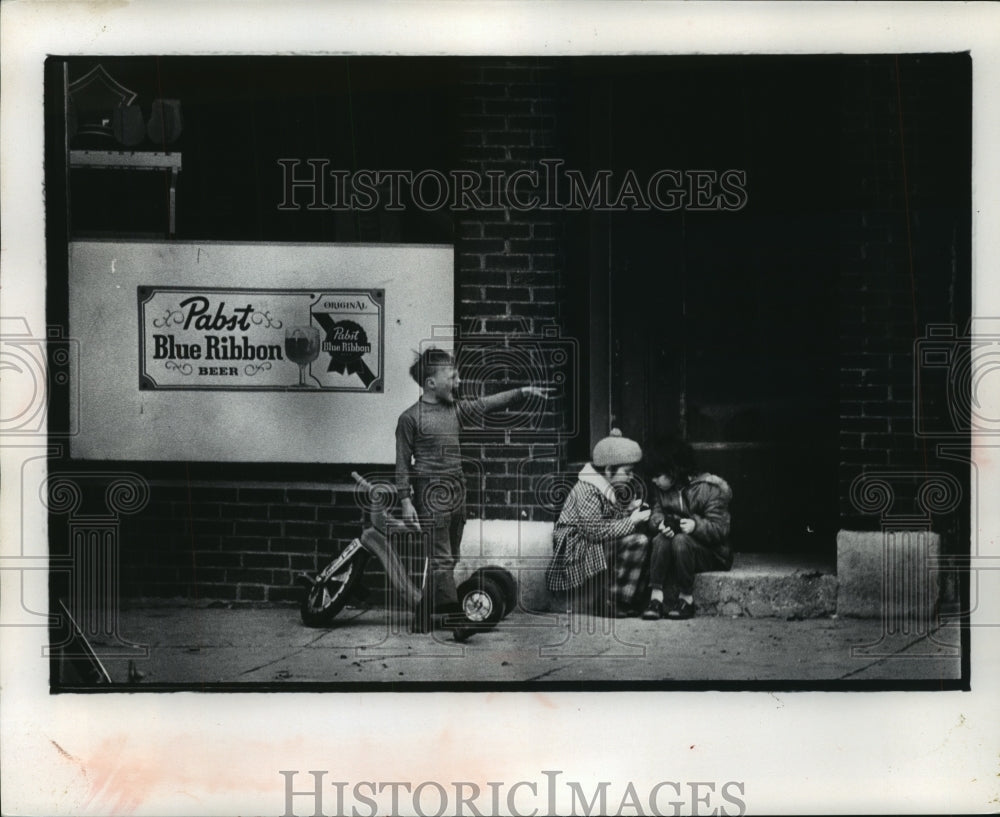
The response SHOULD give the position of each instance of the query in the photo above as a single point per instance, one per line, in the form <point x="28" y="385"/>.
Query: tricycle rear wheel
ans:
<point x="482" y="599"/>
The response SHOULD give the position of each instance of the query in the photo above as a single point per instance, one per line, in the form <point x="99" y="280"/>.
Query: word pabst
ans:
<point x="216" y="347"/>
<point x="311" y="184"/>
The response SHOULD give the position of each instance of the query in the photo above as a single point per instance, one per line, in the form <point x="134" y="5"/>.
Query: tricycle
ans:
<point x="485" y="597"/>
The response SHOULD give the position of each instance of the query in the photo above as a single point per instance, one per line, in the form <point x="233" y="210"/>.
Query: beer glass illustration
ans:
<point x="302" y="347"/>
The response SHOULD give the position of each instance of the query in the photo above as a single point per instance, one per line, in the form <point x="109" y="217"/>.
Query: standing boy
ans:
<point x="429" y="478"/>
<point x="691" y="513"/>
<point x="595" y="537"/>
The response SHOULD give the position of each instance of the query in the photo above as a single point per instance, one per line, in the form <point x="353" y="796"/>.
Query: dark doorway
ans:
<point x="723" y="324"/>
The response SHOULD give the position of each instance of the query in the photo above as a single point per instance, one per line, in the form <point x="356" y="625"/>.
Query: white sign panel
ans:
<point x="245" y="352"/>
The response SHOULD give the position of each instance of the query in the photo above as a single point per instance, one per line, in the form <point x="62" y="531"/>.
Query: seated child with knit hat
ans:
<point x="595" y="539"/>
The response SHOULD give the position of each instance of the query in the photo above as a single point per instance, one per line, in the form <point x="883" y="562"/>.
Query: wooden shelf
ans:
<point x="125" y="160"/>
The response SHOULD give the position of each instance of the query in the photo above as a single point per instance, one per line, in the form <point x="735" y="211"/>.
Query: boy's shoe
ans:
<point x="654" y="611"/>
<point x="463" y="632"/>
<point x="683" y="609"/>
<point x="434" y="617"/>
<point x="422" y="622"/>
<point x="360" y="596"/>
<point x="462" y="629"/>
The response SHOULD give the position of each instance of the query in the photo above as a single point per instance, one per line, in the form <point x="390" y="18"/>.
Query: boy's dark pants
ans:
<point x="446" y="543"/>
<point x="678" y="558"/>
<point x="446" y="524"/>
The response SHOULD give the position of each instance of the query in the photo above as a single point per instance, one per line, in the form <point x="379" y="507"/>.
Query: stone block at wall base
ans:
<point x="890" y="575"/>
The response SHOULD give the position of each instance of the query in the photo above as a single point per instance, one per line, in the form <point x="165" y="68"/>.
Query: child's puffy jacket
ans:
<point x="705" y="499"/>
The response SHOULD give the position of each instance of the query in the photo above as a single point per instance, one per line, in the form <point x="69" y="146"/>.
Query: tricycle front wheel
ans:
<point x="329" y="593"/>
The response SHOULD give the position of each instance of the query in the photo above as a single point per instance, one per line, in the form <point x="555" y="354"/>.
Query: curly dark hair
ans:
<point x="428" y="362"/>
<point x="673" y="457"/>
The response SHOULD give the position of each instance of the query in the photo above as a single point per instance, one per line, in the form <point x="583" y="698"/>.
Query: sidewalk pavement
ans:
<point x="207" y="645"/>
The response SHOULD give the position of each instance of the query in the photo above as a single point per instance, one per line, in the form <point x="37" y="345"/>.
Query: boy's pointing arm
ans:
<point x="501" y="400"/>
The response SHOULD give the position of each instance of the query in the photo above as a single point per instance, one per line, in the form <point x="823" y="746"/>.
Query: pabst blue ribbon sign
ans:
<point x="262" y="339"/>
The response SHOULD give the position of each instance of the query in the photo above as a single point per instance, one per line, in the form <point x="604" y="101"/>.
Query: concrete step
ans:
<point x="758" y="585"/>
<point x="762" y="585"/>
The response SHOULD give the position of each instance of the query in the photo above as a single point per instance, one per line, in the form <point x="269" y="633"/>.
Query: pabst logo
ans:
<point x="345" y="342"/>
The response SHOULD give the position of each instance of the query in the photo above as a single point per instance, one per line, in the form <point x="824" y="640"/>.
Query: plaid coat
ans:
<point x="588" y="536"/>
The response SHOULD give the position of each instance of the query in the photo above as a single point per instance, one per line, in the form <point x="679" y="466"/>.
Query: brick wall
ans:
<point x="232" y="541"/>
<point x="510" y="277"/>
<point x="904" y="244"/>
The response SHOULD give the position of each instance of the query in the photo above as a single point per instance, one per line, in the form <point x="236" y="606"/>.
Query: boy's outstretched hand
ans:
<point x="538" y="391"/>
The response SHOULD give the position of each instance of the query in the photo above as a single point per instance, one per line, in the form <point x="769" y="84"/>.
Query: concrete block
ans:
<point x="889" y="575"/>
<point x="764" y="585"/>
<point x="785" y="595"/>
<point x="523" y="548"/>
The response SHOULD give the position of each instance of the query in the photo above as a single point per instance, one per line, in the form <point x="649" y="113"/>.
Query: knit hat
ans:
<point x="616" y="450"/>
